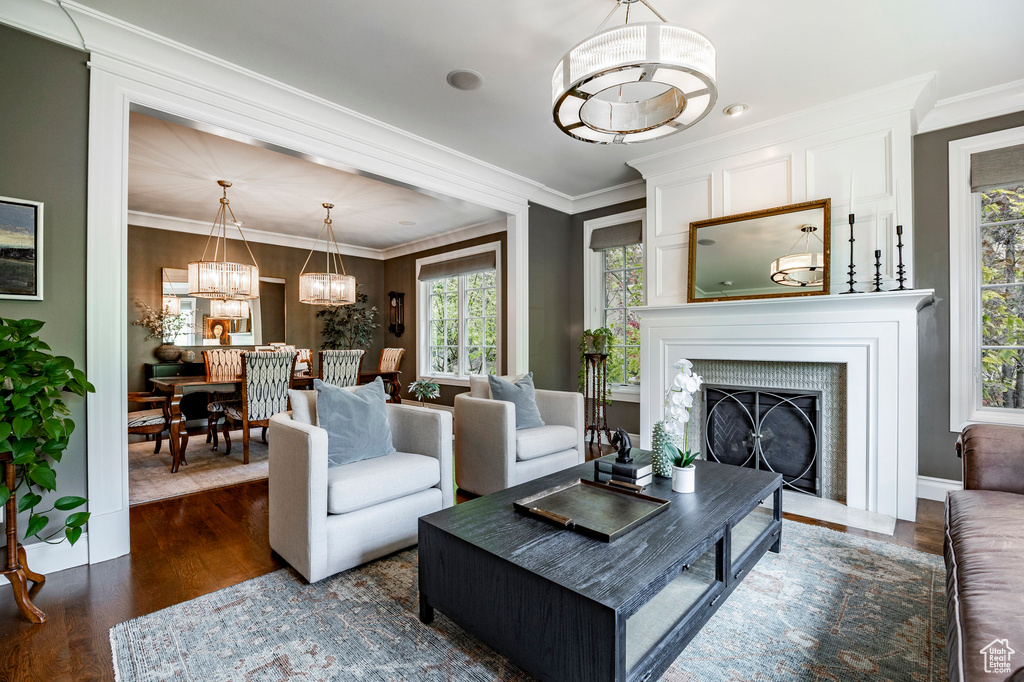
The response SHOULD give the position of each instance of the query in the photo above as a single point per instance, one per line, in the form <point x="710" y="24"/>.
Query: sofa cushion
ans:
<point x="373" y="481"/>
<point x="522" y="395"/>
<point x="984" y="551"/>
<point x="356" y="422"/>
<point x="480" y="386"/>
<point x="544" y="440"/>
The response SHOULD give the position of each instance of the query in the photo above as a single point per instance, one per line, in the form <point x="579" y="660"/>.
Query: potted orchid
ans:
<point x="679" y="402"/>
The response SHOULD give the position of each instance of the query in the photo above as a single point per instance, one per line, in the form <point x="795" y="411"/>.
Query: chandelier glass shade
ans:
<point x="233" y="309"/>
<point x="331" y="287"/>
<point x="223" y="279"/>
<point x="634" y="83"/>
<point x="172" y="305"/>
<point x="805" y="269"/>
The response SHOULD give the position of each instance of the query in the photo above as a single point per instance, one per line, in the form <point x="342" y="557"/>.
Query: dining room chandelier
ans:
<point x="333" y="287"/>
<point x="220" y="278"/>
<point x="805" y="269"/>
<point x="232" y="309"/>
<point x="634" y="83"/>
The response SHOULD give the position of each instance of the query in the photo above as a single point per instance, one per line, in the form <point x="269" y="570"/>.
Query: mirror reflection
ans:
<point x="773" y="253"/>
<point x="225" y="323"/>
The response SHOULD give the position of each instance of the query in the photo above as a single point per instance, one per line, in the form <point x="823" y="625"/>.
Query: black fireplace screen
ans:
<point x="774" y="430"/>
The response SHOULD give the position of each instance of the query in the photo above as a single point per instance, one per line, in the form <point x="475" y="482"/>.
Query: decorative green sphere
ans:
<point x="661" y="462"/>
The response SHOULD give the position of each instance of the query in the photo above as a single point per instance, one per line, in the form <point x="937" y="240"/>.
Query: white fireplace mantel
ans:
<point x="874" y="335"/>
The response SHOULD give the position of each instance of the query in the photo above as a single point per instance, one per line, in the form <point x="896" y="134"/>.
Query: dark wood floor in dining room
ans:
<point x="189" y="546"/>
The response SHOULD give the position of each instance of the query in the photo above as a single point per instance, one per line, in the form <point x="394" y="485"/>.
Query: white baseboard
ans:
<point x="930" y="488"/>
<point x="47" y="559"/>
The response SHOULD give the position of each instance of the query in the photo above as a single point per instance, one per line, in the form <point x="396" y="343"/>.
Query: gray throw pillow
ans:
<point x="522" y="395"/>
<point x="356" y="422"/>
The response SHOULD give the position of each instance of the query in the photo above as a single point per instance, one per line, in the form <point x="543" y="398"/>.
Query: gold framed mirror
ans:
<point x="773" y="253"/>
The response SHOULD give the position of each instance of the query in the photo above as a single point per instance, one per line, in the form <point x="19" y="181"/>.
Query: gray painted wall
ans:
<point x="626" y="415"/>
<point x="552" y="359"/>
<point x="44" y="106"/>
<point x="931" y="259"/>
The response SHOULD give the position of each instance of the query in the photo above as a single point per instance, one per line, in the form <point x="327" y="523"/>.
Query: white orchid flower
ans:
<point x="684" y="364"/>
<point x="687" y="400"/>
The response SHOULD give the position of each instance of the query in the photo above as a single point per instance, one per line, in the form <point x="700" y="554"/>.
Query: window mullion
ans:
<point x="463" y="312"/>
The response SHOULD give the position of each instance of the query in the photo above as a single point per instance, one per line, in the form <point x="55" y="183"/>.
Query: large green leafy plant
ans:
<point x="350" y="326"/>
<point x="35" y="426"/>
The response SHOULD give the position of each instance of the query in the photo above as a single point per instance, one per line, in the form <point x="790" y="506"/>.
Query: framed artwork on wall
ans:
<point x="219" y="330"/>
<point x="21" y="249"/>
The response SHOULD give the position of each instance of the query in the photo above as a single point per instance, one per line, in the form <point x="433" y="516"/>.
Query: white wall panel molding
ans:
<point x="975" y="106"/>
<point x="757" y="185"/>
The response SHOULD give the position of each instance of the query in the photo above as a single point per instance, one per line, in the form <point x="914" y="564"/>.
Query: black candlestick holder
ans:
<point x="878" y="271"/>
<point x="900" y="270"/>
<point x="851" y="280"/>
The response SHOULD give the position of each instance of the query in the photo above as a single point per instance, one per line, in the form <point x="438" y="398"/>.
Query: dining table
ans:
<point x="177" y="387"/>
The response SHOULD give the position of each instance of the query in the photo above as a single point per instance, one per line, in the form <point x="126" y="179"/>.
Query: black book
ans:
<point x="640" y="466"/>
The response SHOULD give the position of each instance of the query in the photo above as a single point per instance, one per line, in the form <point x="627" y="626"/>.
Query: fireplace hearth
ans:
<point x="776" y="430"/>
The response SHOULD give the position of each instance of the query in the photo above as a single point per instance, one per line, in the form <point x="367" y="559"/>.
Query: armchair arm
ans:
<point x="993" y="457"/>
<point x="565" y="409"/>
<point x="485" y="444"/>
<point x="424" y="431"/>
<point x="298" y="494"/>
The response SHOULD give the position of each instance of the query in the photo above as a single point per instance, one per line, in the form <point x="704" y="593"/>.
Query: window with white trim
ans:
<point x="459" y="309"/>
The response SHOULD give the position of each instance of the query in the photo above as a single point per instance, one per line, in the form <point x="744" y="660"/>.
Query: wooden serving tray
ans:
<point x="604" y="511"/>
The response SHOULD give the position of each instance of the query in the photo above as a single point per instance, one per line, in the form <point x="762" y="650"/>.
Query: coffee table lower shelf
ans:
<point x="542" y="617"/>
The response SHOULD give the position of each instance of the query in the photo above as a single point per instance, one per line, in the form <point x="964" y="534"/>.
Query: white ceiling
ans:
<point x="173" y="171"/>
<point x="388" y="60"/>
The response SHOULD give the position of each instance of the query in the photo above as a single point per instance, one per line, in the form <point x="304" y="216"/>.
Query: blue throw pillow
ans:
<point x="356" y="422"/>
<point x="522" y="395"/>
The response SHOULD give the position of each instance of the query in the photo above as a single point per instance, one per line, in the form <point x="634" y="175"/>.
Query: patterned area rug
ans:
<point x="830" y="607"/>
<point x="150" y="477"/>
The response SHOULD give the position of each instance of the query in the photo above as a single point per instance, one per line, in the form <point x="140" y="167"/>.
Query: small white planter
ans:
<point x="683" y="480"/>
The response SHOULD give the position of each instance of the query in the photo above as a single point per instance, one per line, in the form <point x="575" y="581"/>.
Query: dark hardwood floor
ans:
<point x="187" y="547"/>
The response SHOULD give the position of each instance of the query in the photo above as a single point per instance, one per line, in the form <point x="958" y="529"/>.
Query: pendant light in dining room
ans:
<point x="331" y="287"/>
<point x="231" y="309"/>
<point x="634" y="83"/>
<point x="223" y="279"/>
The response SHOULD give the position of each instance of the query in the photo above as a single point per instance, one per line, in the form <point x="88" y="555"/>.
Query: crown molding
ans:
<point x="975" y="106"/>
<point x="912" y="94"/>
<point x="446" y="238"/>
<point x="627" y="191"/>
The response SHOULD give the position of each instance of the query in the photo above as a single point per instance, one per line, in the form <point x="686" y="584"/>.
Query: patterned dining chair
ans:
<point x="221" y="363"/>
<point x="266" y="378"/>
<point x="150" y="422"/>
<point x="340" y="367"/>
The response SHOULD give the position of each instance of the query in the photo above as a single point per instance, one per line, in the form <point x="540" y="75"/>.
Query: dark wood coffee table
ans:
<point x="566" y="607"/>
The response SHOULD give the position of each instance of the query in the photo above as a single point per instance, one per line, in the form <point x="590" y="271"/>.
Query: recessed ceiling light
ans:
<point x="726" y="283"/>
<point x="706" y="242"/>
<point x="465" y="79"/>
<point x="406" y="222"/>
<point x="735" y="109"/>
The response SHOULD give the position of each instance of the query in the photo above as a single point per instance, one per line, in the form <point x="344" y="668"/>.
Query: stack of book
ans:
<point x="638" y="472"/>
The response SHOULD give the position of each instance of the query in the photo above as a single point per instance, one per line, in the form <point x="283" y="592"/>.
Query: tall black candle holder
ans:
<point x="878" y="271"/>
<point x="900" y="270"/>
<point x="851" y="281"/>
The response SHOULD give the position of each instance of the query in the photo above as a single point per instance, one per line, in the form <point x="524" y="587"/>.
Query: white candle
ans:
<point x="851" y="193"/>
<point x="878" y="230"/>
<point x="898" y="213"/>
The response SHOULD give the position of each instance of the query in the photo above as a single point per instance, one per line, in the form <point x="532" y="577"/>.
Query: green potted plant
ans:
<point x="348" y="327"/>
<point x="425" y="389"/>
<point x="161" y="325"/>
<point x="593" y="341"/>
<point x="679" y="402"/>
<point x="35" y="427"/>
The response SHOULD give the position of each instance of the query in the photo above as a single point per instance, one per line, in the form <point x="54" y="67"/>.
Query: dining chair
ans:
<point x="304" y="360"/>
<point x="266" y="378"/>
<point x="387" y="370"/>
<point x="340" y="367"/>
<point x="221" y="363"/>
<point x="153" y="421"/>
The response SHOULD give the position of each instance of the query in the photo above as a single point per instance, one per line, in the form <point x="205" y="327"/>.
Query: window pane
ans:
<point x="436" y="307"/>
<point x="615" y="367"/>
<point x="475" y="332"/>
<point x="634" y="255"/>
<point x="451" y="305"/>
<point x="475" y="301"/>
<point x="614" y="320"/>
<point x="632" y="328"/>
<point x="490" y="302"/>
<point x="1002" y="253"/>
<point x="633" y="365"/>
<point x="1002" y="378"/>
<point x="453" y="359"/>
<point x="613" y="259"/>
<point x="451" y="284"/>
<point x="634" y="287"/>
<point x="1001" y="312"/>
<point x="491" y="332"/>
<point x="1003" y="203"/>
<point x="437" y="286"/>
<point x="488" y="279"/>
<point x="437" y="360"/>
<point x="474" y="280"/>
<point x="436" y="334"/>
<point x="613" y="290"/>
<point x="475" y="356"/>
<point x="491" y="356"/>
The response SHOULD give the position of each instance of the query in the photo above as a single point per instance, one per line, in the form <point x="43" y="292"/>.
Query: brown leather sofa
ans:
<point x="984" y="551"/>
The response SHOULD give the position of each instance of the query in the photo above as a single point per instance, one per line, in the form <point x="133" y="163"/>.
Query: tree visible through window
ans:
<point x="623" y="291"/>
<point x="463" y="324"/>
<point x="1002" y="297"/>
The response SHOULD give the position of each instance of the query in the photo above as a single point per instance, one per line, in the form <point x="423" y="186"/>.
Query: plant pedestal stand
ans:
<point x="593" y="398"/>
<point x="15" y="567"/>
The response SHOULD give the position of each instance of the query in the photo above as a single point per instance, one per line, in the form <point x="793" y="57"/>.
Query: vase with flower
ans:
<point x="679" y="403"/>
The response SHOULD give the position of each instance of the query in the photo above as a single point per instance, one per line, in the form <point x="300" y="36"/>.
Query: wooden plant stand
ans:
<point x="593" y="398"/>
<point x="15" y="567"/>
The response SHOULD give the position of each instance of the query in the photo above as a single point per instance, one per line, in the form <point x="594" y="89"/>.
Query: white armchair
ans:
<point x="326" y="520"/>
<point x="491" y="455"/>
